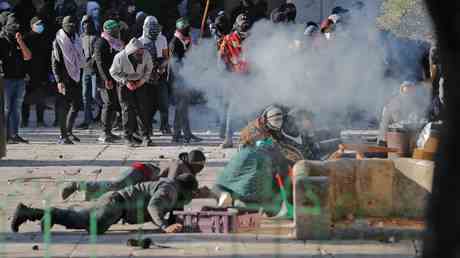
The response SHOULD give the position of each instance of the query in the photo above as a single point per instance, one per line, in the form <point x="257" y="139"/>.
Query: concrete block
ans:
<point x="312" y="217"/>
<point x="412" y="187"/>
<point x="343" y="195"/>
<point x="374" y="184"/>
<point x="419" y="171"/>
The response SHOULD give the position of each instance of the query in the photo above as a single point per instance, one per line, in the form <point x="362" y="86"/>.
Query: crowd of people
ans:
<point x="132" y="60"/>
<point x="124" y="62"/>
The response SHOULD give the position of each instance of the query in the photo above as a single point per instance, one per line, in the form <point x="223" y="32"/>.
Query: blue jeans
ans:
<point x="89" y="95"/>
<point x="14" y="97"/>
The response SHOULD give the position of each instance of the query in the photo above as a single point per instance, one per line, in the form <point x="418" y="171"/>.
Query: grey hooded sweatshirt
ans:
<point x="122" y="70"/>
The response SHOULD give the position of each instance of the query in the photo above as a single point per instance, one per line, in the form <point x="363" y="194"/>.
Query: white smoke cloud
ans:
<point x="344" y="72"/>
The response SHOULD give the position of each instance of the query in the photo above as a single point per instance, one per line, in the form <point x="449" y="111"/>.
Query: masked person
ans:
<point x="89" y="38"/>
<point x="67" y="59"/>
<point x="13" y="53"/>
<point x="232" y="56"/>
<point x="93" y="10"/>
<point x="157" y="46"/>
<point x="132" y="68"/>
<point x="38" y="68"/>
<point x="107" y="46"/>
<point x="179" y="46"/>
<point x="289" y="129"/>
<point x="188" y="163"/>
<point x="137" y="204"/>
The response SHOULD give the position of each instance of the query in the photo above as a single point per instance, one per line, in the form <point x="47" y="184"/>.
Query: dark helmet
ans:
<point x="311" y="28"/>
<point x="339" y="10"/>
<point x="242" y="24"/>
<point x="187" y="182"/>
<point x="195" y="159"/>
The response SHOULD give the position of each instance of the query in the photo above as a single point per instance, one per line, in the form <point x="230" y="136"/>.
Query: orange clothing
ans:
<point x="231" y="52"/>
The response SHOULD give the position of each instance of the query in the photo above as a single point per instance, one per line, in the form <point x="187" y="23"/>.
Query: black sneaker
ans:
<point x="129" y="142"/>
<point x="147" y="142"/>
<point x="64" y="141"/>
<point x="114" y="136"/>
<point x="11" y="141"/>
<point x="137" y="138"/>
<point x="19" y="139"/>
<point x="74" y="138"/>
<point x="166" y="131"/>
<point x="193" y="139"/>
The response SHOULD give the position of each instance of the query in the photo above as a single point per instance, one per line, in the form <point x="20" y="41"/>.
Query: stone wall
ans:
<point x="361" y="188"/>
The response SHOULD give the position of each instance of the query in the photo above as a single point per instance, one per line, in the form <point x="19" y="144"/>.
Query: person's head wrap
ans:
<point x="69" y="25"/>
<point x="242" y="25"/>
<point x="182" y="23"/>
<point x="195" y="159"/>
<point x="11" y="27"/>
<point x="87" y="25"/>
<point x="93" y="9"/>
<point x="111" y="27"/>
<point x="151" y="28"/>
<point x="311" y="28"/>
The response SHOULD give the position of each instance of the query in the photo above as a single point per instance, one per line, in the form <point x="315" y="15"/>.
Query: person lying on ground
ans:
<point x="188" y="163"/>
<point x="137" y="204"/>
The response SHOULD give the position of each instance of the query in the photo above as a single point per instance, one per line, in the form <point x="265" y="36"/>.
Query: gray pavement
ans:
<point x="34" y="174"/>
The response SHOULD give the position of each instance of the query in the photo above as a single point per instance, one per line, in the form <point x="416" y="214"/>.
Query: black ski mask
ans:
<point x="11" y="27"/>
<point x="69" y="25"/>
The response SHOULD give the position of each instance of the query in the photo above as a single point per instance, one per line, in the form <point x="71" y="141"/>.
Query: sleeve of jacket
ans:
<point x="57" y="63"/>
<point x="116" y="70"/>
<point x="162" y="202"/>
<point x="148" y="69"/>
<point x="98" y="55"/>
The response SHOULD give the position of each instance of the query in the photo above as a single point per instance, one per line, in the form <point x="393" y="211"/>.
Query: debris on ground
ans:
<point x="35" y="247"/>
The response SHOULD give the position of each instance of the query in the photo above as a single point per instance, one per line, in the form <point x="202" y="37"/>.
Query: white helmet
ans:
<point x="274" y="118"/>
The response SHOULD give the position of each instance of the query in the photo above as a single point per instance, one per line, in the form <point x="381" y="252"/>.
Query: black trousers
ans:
<point x="181" y="116"/>
<point x="135" y="103"/>
<point x="68" y="107"/>
<point x="105" y="212"/>
<point x="35" y="95"/>
<point x="109" y="108"/>
<point x="160" y="96"/>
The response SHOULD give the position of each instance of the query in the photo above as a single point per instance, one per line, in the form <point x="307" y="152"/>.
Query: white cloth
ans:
<point x="161" y="44"/>
<point x="122" y="69"/>
<point x="72" y="53"/>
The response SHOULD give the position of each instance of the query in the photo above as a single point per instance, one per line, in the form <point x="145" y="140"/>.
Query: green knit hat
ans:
<point x="111" y="25"/>
<point x="182" y="23"/>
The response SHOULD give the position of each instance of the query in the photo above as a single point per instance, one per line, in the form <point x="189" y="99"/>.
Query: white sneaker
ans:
<point x="225" y="200"/>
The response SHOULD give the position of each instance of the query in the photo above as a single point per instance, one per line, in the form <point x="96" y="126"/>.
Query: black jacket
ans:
<point x="39" y="67"/>
<point x="104" y="56"/>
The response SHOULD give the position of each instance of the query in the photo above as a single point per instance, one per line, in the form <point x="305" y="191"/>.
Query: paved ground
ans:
<point x="50" y="165"/>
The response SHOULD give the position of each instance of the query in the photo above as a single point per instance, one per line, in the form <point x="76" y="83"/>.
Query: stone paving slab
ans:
<point x="51" y="165"/>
